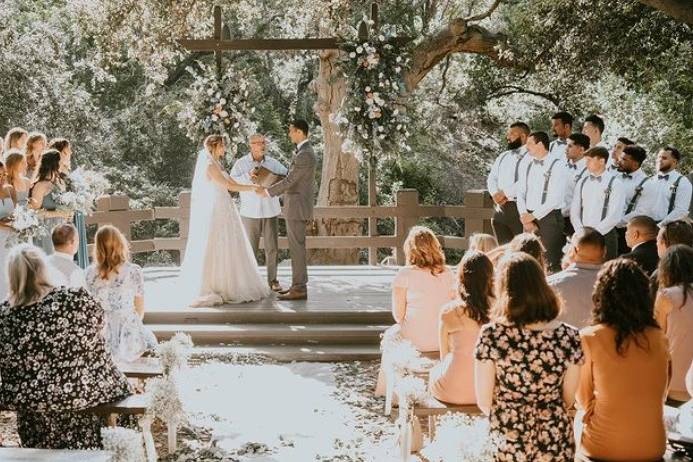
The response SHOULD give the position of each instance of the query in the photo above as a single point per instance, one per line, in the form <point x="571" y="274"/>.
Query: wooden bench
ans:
<point x="53" y="455"/>
<point x="390" y="378"/>
<point x="142" y="368"/>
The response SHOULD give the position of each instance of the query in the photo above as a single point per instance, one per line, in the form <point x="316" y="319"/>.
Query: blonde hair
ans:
<point x="13" y="160"/>
<point x="482" y="242"/>
<point x="422" y="249"/>
<point x="27" y="275"/>
<point x="13" y="136"/>
<point x="110" y="250"/>
<point x="213" y="141"/>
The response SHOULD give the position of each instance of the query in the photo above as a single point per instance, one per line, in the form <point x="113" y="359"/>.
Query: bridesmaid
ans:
<point x="36" y="144"/>
<point x="16" y="138"/>
<point x="42" y="196"/>
<point x="64" y="147"/>
<point x="16" y="167"/>
<point x="7" y="204"/>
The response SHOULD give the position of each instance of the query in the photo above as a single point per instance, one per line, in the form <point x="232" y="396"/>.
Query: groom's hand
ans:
<point x="262" y="192"/>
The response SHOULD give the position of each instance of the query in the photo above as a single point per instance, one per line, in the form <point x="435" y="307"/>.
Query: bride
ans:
<point x="219" y="265"/>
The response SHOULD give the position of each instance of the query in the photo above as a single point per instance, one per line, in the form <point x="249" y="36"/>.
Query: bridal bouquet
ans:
<point x="27" y="226"/>
<point x="82" y="188"/>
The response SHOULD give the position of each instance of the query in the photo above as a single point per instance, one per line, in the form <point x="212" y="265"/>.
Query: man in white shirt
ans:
<point x="673" y="189"/>
<point x="599" y="200"/>
<point x="62" y="267"/>
<point x="576" y="165"/>
<point x="594" y="127"/>
<point x="259" y="214"/>
<point x="562" y="126"/>
<point x="540" y="197"/>
<point x="502" y="184"/>
<point x="639" y="189"/>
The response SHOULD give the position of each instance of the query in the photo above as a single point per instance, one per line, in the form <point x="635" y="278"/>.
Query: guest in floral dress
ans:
<point x="53" y="363"/>
<point x="119" y="286"/>
<point x="527" y="367"/>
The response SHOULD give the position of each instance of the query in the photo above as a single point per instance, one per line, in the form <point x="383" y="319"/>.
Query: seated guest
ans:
<point x="689" y="380"/>
<point x="530" y="244"/>
<point x="674" y="313"/>
<point x="419" y="292"/>
<point x="527" y="366"/>
<point x="452" y="381"/>
<point x="482" y="242"/>
<point x="65" y="271"/>
<point x="672" y="233"/>
<point x="623" y="383"/>
<point x="54" y="364"/>
<point x="119" y="286"/>
<point x="575" y="283"/>
<point x="641" y="237"/>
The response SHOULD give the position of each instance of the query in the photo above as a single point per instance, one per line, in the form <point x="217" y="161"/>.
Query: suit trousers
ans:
<point x="267" y="228"/>
<point x="551" y="234"/>
<point x="506" y="222"/>
<point x="296" y="233"/>
<point x="611" y="240"/>
<point x="622" y="246"/>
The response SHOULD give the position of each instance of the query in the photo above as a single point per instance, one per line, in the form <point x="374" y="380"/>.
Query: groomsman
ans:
<point x="673" y="189"/>
<point x="540" y="197"/>
<point x="562" y="126"/>
<point x="502" y="183"/>
<point x="576" y="165"/>
<point x="621" y="143"/>
<point x="598" y="201"/>
<point x="260" y="214"/>
<point x="639" y="189"/>
<point x="594" y="127"/>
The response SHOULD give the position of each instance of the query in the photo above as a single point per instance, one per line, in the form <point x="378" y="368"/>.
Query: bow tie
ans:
<point x="538" y="162"/>
<point x="663" y="177"/>
<point x="612" y="167"/>
<point x="560" y="141"/>
<point x="627" y="175"/>
<point x="595" y="178"/>
<point x="573" y="166"/>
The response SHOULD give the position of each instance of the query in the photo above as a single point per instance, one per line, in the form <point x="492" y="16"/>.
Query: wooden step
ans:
<point x="264" y="316"/>
<point x="272" y="334"/>
<point x="288" y="353"/>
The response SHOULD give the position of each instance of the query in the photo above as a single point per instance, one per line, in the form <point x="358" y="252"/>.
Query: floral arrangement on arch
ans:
<point x="217" y="106"/>
<point x="371" y="117"/>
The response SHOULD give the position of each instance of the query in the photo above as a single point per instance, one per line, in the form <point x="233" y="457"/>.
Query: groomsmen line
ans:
<point x="555" y="188"/>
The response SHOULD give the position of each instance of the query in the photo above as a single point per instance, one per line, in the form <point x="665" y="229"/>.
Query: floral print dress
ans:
<point x="126" y="336"/>
<point x="528" y="414"/>
<point x="54" y="366"/>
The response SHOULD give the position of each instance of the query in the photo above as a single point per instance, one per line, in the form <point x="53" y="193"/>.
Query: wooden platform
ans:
<point x="53" y="455"/>
<point x="347" y="310"/>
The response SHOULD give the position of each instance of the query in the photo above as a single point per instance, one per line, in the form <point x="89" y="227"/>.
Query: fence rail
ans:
<point x="476" y="211"/>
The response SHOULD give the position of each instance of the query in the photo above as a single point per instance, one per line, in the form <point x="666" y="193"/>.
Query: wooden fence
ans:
<point x="476" y="213"/>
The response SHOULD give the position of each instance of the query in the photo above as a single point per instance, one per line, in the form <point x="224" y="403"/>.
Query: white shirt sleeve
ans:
<point x="240" y="171"/>
<point x="77" y="279"/>
<point x="492" y="179"/>
<point x="522" y="187"/>
<point x="577" y="204"/>
<point x="278" y="168"/>
<point x="556" y="192"/>
<point x="681" y="203"/>
<point x="614" y="212"/>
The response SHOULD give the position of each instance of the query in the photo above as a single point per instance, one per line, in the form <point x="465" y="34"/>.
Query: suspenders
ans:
<point x="638" y="191"/>
<point x="547" y="178"/>
<point x="607" y="196"/>
<point x="674" y="190"/>
<point x="582" y="172"/>
<point x="517" y="164"/>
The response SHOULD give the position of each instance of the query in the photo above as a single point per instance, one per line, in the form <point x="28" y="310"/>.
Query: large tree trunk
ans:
<point x="681" y="10"/>
<point x="340" y="170"/>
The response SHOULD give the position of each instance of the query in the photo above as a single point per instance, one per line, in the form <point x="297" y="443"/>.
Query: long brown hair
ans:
<point x="110" y="250"/>
<point x="475" y="286"/>
<point x="13" y="160"/>
<point x="522" y="294"/>
<point x="676" y="269"/>
<point x="423" y="250"/>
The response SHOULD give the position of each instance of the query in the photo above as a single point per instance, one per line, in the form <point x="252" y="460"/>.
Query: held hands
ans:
<point x="262" y="192"/>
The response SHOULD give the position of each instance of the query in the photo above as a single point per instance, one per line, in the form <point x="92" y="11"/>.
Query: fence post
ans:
<point x="116" y="203"/>
<point x="477" y="198"/>
<point x="407" y="202"/>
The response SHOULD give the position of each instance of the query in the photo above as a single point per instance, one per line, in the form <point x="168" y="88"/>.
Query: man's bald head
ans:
<point x="588" y="246"/>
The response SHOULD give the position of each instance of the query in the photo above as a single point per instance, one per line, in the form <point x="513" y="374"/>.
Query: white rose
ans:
<point x="359" y="49"/>
<point x="368" y="89"/>
<point x="224" y="114"/>
<point x="222" y="101"/>
<point x="352" y="55"/>
<point x="215" y="117"/>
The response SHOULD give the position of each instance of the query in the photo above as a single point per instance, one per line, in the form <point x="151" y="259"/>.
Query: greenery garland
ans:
<point x="372" y="118"/>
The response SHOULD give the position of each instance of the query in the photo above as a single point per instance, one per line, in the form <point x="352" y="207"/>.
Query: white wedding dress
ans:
<point x="219" y="265"/>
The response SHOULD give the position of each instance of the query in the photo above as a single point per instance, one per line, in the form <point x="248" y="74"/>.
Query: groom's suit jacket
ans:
<point x="298" y="186"/>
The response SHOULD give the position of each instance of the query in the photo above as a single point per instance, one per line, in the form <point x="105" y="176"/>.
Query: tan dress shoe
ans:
<point x="294" y="295"/>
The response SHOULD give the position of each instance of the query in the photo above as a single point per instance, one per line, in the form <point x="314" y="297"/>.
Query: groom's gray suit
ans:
<point x="298" y="191"/>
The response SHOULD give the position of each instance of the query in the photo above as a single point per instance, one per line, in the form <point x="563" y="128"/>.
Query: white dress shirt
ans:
<point x="505" y="173"/>
<point x="590" y="198"/>
<point x="576" y="172"/>
<point x="252" y="205"/>
<point x="64" y="271"/>
<point x="645" y="203"/>
<point x="533" y="180"/>
<point x="665" y="186"/>
<point x="298" y="146"/>
<point x="557" y="148"/>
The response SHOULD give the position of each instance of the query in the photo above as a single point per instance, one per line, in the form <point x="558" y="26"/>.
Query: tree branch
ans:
<point x="181" y="69"/>
<point x="514" y="90"/>
<point x="681" y="10"/>
<point x="486" y="14"/>
<point x="458" y="37"/>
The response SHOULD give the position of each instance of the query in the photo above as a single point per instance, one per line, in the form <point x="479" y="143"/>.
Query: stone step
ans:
<point x="272" y="334"/>
<point x="264" y="316"/>
<point x="288" y="353"/>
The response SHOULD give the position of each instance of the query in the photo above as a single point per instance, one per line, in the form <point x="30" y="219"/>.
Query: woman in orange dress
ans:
<point x="623" y="384"/>
<point x="452" y="380"/>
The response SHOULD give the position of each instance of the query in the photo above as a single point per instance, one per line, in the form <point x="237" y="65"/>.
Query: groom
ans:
<point x="297" y="189"/>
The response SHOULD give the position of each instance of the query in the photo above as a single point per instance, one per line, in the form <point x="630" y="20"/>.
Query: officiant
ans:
<point x="259" y="214"/>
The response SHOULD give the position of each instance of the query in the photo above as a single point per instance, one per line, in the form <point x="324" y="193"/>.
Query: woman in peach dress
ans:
<point x="452" y="380"/>
<point x="419" y="292"/>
